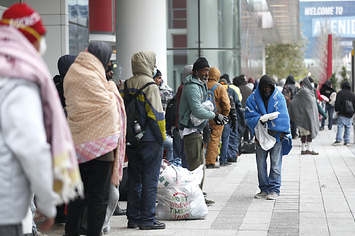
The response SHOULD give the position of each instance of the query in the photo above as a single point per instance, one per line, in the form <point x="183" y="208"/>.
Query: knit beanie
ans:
<point x="157" y="74"/>
<point x="226" y="77"/>
<point x="200" y="63"/>
<point x="26" y="20"/>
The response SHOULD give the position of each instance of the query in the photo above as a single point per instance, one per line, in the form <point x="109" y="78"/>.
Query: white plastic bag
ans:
<point x="205" y="105"/>
<point x="266" y="141"/>
<point x="184" y="199"/>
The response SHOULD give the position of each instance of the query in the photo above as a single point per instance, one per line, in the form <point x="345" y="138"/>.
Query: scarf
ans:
<point x="19" y="59"/>
<point x="303" y="109"/>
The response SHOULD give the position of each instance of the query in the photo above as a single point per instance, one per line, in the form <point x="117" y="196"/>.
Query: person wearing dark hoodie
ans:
<point x="304" y="112"/>
<point x="64" y="62"/>
<point x="222" y="107"/>
<point x="345" y="107"/>
<point x="265" y="100"/>
<point x="290" y="85"/>
<point x="327" y="90"/>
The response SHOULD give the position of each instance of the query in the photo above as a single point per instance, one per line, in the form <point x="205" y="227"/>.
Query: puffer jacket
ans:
<point x="193" y="94"/>
<point x="342" y="96"/>
<point x="220" y="93"/>
<point x="148" y="102"/>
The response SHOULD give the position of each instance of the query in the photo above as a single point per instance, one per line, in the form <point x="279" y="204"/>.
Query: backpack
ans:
<point x="211" y="97"/>
<point x="134" y="128"/>
<point x="349" y="109"/>
<point x="171" y="111"/>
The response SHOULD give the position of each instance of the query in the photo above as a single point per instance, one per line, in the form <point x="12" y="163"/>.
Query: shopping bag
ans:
<point x="266" y="141"/>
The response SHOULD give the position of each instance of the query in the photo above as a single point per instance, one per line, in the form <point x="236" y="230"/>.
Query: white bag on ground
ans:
<point x="180" y="197"/>
<point x="266" y="141"/>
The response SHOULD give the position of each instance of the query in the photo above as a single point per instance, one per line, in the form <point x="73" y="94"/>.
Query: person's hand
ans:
<point x="220" y="119"/>
<point x="43" y="223"/>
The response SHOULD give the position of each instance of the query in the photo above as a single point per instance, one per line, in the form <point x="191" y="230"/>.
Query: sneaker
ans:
<point x="119" y="211"/>
<point x="312" y="152"/>
<point x="321" y="128"/>
<point x="260" y="195"/>
<point x="336" y="143"/>
<point x="211" y="166"/>
<point x="156" y="225"/>
<point x="204" y="194"/>
<point x="225" y="164"/>
<point x="272" y="196"/>
<point x="132" y="225"/>
<point x="230" y="159"/>
<point x="346" y="144"/>
<point x="209" y="202"/>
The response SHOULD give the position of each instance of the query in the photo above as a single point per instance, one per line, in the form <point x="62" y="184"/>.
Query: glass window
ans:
<point x="78" y="25"/>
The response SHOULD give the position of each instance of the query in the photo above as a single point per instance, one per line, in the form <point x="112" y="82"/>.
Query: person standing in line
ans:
<point x="166" y="93"/>
<point x="37" y="152"/>
<point x="96" y="119"/>
<point x="345" y="107"/>
<point x="144" y="161"/>
<point x="193" y="95"/>
<point x="291" y="87"/>
<point x="222" y="104"/>
<point x="264" y="100"/>
<point x="304" y="112"/>
<point x="327" y="90"/>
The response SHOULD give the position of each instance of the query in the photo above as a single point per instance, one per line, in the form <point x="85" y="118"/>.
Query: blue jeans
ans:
<point x="330" y="109"/>
<point x="233" y="145"/>
<point x="225" y="140"/>
<point x="343" y="121"/>
<point x="143" y="173"/>
<point x="168" y="145"/>
<point x="269" y="182"/>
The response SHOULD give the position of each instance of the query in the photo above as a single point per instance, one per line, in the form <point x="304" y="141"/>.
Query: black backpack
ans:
<point x="171" y="111"/>
<point x="133" y="139"/>
<point x="349" y="109"/>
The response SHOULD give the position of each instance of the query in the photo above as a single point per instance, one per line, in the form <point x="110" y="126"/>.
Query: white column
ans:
<point x="140" y="25"/>
<point x="56" y="20"/>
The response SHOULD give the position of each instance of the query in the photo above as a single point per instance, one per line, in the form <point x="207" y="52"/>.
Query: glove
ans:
<point x="220" y="119"/>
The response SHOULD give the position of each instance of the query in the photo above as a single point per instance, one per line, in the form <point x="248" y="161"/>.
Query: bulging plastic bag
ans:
<point x="182" y="198"/>
<point x="208" y="105"/>
<point x="266" y="141"/>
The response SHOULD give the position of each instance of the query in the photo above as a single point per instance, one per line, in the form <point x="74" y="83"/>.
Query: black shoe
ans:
<point x="321" y="128"/>
<point x="209" y="202"/>
<point x="132" y="225"/>
<point x="83" y="231"/>
<point x="225" y="164"/>
<point x="156" y="225"/>
<point x="211" y="166"/>
<point x="230" y="159"/>
<point x="119" y="211"/>
<point x="204" y="194"/>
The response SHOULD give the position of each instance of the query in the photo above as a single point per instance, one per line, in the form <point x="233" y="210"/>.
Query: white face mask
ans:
<point x="312" y="85"/>
<point x="42" y="46"/>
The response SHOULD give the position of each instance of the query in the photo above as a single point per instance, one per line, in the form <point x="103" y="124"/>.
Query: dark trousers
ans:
<point x="11" y="230"/>
<point x="143" y="172"/>
<point x="328" y="109"/>
<point x="96" y="176"/>
<point x="293" y="129"/>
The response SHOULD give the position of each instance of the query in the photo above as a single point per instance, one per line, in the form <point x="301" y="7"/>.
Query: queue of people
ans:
<point x="70" y="149"/>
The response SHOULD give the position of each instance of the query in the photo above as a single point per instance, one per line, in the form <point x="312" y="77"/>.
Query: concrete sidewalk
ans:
<point x="317" y="198"/>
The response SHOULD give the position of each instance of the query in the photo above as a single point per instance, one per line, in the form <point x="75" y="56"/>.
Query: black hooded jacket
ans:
<point x="326" y="89"/>
<point x="64" y="63"/>
<point x="290" y="84"/>
<point x="342" y="96"/>
<point x="241" y="83"/>
<point x="266" y="80"/>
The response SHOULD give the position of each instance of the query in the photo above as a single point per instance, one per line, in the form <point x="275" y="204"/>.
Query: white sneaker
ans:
<point x="272" y="196"/>
<point x="260" y="195"/>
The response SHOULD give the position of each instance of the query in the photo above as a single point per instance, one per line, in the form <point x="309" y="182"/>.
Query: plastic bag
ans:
<point x="266" y="141"/>
<point x="182" y="199"/>
<point x="208" y="105"/>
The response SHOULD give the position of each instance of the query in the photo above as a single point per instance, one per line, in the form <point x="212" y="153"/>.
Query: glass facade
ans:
<point x="78" y="25"/>
<point x="217" y="30"/>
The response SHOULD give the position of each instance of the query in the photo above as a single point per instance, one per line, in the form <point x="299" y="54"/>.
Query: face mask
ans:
<point x="312" y="85"/>
<point x="267" y="94"/>
<point x="42" y="46"/>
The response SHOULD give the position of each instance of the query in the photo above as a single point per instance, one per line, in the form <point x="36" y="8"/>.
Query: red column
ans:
<point x="329" y="67"/>
<point x="101" y="16"/>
